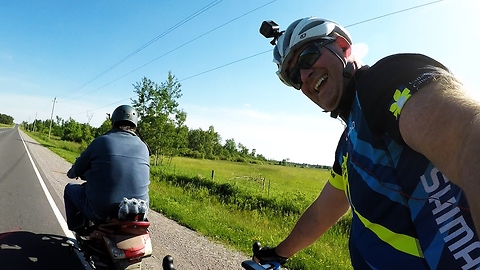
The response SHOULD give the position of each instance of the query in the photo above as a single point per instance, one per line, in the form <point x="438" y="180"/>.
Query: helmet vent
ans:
<point x="309" y="26"/>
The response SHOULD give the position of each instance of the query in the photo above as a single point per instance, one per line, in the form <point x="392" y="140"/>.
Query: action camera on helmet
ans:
<point x="270" y="29"/>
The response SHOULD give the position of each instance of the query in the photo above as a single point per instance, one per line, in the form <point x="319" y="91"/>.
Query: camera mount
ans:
<point x="270" y="29"/>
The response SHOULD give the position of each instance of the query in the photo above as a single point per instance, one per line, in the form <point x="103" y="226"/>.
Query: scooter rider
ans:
<point x="115" y="165"/>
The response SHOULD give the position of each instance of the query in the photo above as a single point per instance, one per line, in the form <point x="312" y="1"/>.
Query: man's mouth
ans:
<point x="320" y="81"/>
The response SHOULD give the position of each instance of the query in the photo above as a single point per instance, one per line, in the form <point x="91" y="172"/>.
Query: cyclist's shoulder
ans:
<point x="396" y="65"/>
<point x="376" y="84"/>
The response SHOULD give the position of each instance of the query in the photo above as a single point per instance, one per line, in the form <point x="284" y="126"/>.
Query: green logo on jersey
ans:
<point x="400" y="99"/>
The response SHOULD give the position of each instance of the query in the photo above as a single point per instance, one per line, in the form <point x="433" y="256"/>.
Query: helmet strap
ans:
<point x="343" y="106"/>
<point x="348" y="71"/>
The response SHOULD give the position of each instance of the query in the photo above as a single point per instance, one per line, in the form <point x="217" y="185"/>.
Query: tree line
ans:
<point x="6" y="119"/>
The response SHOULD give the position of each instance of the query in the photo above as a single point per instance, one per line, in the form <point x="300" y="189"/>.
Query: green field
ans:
<point x="241" y="204"/>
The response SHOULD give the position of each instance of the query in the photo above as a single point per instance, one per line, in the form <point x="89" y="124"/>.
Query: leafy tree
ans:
<point x="6" y="119"/>
<point x="57" y="127"/>
<point x="197" y="141"/>
<point x="243" y="149"/>
<point x="40" y="126"/>
<point x="231" y="146"/>
<point x="157" y="107"/>
<point x="87" y="136"/>
<point x="214" y="139"/>
<point x="72" y="131"/>
<point x="181" y="143"/>
<point x="285" y="162"/>
<point x="261" y="157"/>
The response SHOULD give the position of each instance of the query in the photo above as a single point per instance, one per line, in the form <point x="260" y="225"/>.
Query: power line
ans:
<point x="257" y="54"/>
<point x="393" y="13"/>
<point x="198" y="74"/>
<point x="207" y="7"/>
<point x="178" y="47"/>
<point x="251" y="56"/>
<point x="228" y="64"/>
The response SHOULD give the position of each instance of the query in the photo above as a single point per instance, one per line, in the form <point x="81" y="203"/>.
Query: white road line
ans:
<point x="55" y="209"/>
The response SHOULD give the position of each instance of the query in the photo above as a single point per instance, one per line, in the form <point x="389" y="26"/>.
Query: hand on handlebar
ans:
<point x="266" y="255"/>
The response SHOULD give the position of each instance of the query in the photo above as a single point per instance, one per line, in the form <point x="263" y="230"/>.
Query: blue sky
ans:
<point x="88" y="54"/>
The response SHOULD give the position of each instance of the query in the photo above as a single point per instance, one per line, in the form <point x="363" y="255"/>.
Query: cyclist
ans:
<point x="115" y="165"/>
<point x="406" y="162"/>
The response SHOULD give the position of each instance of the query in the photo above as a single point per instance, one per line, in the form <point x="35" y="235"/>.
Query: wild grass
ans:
<point x="240" y="204"/>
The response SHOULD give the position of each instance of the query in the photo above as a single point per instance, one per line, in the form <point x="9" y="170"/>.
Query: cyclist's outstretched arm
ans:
<point x="324" y="212"/>
<point x="442" y="122"/>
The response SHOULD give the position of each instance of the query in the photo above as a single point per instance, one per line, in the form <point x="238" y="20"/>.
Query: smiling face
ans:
<point x="323" y="81"/>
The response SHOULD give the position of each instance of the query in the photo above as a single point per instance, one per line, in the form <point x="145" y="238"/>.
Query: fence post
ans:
<point x="268" y="193"/>
<point x="213" y="175"/>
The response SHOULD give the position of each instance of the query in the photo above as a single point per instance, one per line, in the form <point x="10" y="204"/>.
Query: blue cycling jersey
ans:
<point x="405" y="213"/>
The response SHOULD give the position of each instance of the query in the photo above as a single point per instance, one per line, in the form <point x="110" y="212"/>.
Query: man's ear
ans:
<point x="346" y="47"/>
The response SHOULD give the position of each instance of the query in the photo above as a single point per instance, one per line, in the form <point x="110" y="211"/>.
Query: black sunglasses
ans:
<point x="306" y="59"/>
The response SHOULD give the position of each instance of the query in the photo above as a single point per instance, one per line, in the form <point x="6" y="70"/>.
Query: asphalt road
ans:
<point x="31" y="235"/>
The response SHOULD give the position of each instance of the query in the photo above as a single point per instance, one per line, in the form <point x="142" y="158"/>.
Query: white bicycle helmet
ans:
<point x="297" y="34"/>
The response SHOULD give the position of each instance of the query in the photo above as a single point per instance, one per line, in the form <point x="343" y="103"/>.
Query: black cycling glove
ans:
<point x="268" y="254"/>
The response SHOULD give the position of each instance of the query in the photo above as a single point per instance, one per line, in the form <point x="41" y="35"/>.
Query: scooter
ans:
<point x="119" y="244"/>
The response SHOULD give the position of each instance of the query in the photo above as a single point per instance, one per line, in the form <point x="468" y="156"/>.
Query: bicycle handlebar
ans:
<point x="252" y="265"/>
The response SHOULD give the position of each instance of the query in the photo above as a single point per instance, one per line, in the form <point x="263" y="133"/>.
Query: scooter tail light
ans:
<point x="131" y="254"/>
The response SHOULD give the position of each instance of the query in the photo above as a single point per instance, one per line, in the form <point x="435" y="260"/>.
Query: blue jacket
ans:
<point x="114" y="165"/>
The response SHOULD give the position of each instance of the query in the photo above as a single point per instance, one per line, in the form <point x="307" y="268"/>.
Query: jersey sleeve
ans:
<point x="385" y="87"/>
<point x="336" y="174"/>
<point x="336" y="179"/>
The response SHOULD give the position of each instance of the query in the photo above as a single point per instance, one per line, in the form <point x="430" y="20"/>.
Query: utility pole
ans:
<point x="34" y="121"/>
<point x="51" y="117"/>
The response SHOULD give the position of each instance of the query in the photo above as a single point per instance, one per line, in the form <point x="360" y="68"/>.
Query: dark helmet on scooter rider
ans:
<point x="125" y="114"/>
<point x="299" y="33"/>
